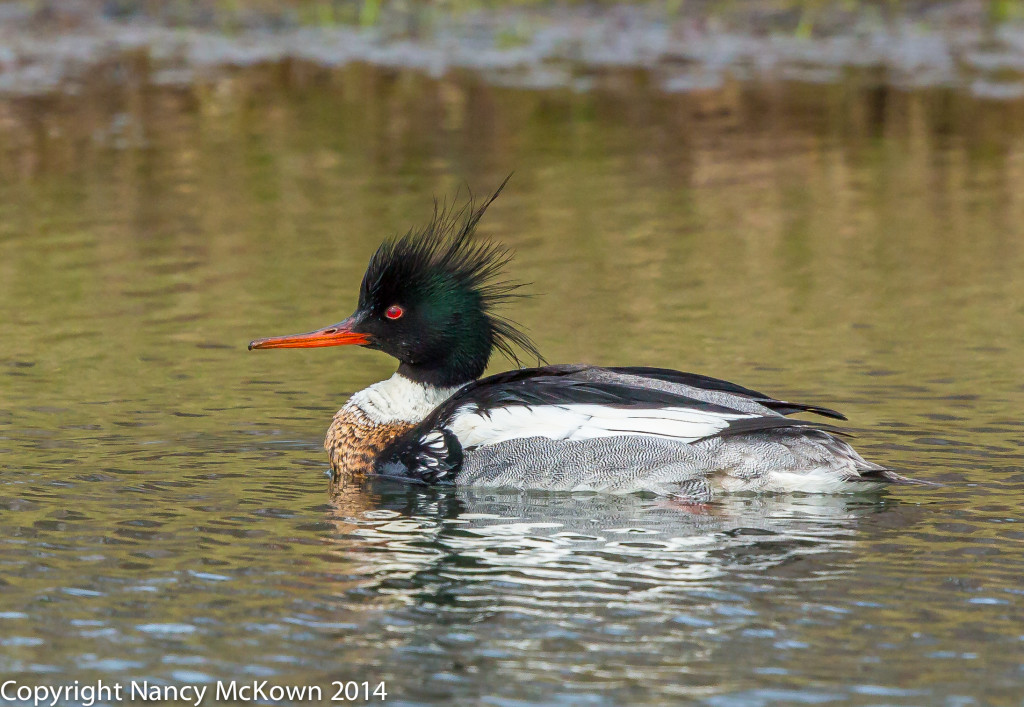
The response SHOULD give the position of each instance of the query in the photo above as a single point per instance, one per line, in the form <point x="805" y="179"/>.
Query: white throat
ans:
<point x="398" y="399"/>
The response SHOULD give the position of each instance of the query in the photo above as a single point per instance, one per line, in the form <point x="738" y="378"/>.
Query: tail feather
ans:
<point x="889" y="476"/>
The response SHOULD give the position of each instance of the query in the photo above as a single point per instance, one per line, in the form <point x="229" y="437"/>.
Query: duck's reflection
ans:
<point x="418" y="540"/>
<point x="468" y="587"/>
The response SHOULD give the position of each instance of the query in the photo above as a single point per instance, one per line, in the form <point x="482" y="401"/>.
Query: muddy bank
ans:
<point x="680" y="47"/>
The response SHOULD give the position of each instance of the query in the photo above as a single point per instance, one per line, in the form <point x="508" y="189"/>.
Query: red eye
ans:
<point x="394" y="312"/>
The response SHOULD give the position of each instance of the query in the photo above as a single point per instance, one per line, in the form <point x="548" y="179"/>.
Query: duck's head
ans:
<point x="428" y="299"/>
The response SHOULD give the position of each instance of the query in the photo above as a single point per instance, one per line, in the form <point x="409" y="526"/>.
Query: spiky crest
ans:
<point x="446" y="255"/>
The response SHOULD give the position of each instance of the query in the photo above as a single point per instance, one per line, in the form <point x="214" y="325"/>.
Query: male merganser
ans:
<point x="428" y="299"/>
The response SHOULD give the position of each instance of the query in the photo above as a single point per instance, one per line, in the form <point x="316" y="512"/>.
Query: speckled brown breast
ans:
<point x="354" y="442"/>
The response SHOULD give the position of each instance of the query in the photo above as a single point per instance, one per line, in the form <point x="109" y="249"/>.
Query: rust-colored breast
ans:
<point x="354" y="442"/>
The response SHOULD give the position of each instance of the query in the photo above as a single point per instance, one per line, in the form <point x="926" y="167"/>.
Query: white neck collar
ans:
<point x="398" y="399"/>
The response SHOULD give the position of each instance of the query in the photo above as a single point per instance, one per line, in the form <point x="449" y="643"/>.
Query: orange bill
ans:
<point x="335" y="335"/>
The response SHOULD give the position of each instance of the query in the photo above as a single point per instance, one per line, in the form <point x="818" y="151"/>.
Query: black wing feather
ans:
<point x="748" y="425"/>
<point x="697" y="380"/>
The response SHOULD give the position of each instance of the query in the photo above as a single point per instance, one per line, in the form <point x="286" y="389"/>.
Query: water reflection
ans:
<point x="482" y="535"/>
<point x="164" y="512"/>
<point x="510" y="584"/>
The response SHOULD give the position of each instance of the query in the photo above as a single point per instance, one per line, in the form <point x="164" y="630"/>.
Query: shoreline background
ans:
<point x="677" y="46"/>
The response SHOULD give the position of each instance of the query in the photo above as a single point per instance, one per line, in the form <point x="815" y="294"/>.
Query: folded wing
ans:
<point x="575" y="403"/>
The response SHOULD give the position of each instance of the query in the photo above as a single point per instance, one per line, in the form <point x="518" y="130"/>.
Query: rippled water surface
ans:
<point x="164" y="512"/>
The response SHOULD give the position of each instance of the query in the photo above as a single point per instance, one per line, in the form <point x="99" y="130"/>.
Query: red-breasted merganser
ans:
<point x="428" y="299"/>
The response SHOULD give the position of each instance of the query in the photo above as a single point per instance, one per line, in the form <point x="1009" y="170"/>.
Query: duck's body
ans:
<point x="427" y="299"/>
<point x="585" y="428"/>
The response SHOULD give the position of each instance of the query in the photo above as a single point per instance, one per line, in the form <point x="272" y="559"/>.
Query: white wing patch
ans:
<point x="579" y="421"/>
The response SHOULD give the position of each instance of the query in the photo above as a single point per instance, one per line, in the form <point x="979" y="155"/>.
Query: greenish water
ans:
<point x="164" y="512"/>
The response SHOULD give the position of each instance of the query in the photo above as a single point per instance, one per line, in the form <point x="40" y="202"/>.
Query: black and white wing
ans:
<point x="716" y="386"/>
<point x="574" y="403"/>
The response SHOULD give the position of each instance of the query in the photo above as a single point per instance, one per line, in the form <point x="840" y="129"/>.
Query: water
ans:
<point x="165" y="513"/>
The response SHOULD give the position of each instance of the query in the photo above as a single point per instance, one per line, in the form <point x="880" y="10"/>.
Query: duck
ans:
<point x="431" y="300"/>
